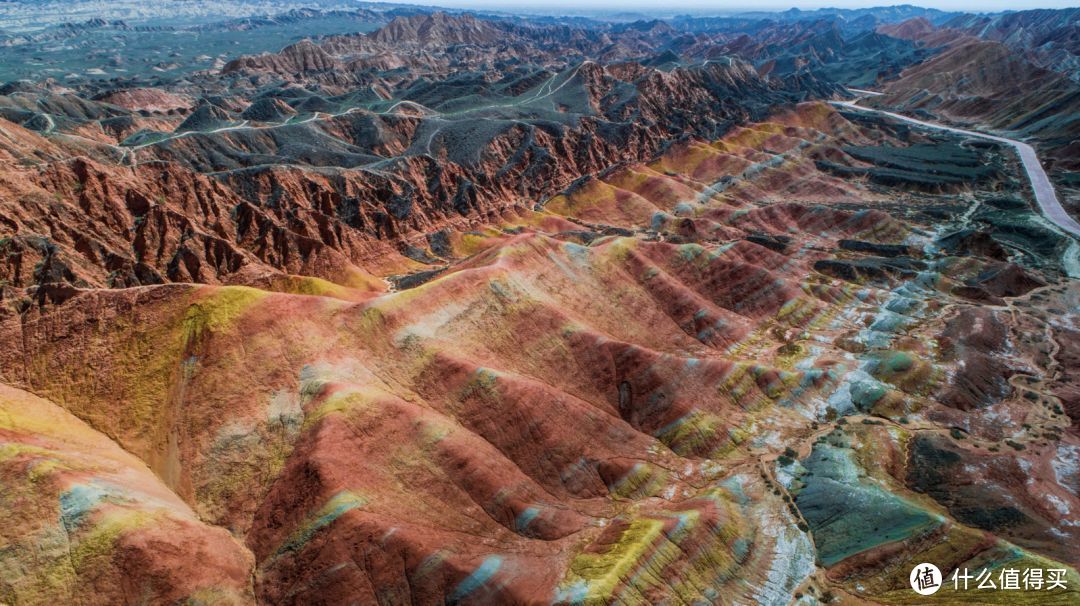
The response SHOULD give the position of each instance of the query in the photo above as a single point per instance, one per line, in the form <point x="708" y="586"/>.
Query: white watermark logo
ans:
<point x="925" y="579"/>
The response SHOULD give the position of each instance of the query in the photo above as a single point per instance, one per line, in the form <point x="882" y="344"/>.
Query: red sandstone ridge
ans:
<point x="985" y="83"/>
<point x="480" y="310"/>
<point x="297" y="58"/>
<point x="99" y="524"/>
<point x="499" y="432"/>
<point x="275" y="202"/>
<point x="912" y="29"/>
<point x="148" y="99"/>
<point x="437" y="30"/>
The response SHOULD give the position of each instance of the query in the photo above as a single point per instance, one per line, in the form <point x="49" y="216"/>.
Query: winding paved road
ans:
<point x="1040" y="182"/>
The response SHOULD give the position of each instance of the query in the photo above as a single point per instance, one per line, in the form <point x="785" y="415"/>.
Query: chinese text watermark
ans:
<point x="926" y="579"/>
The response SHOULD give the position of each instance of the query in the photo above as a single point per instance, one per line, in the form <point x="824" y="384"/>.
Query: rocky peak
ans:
<point x="912" y="29"/>
<point x="304" y="56"/>
<point x="438" y="29"/>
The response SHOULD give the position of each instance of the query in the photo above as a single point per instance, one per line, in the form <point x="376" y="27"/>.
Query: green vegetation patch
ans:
<point x="849" y="512"/>
<point x="924" y="166"/>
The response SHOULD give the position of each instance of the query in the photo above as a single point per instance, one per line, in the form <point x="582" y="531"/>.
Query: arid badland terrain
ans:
<point x="415" y="307"/>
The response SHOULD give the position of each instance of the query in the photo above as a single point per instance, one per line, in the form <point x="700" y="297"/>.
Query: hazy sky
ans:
<point x="737" y="6"/>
